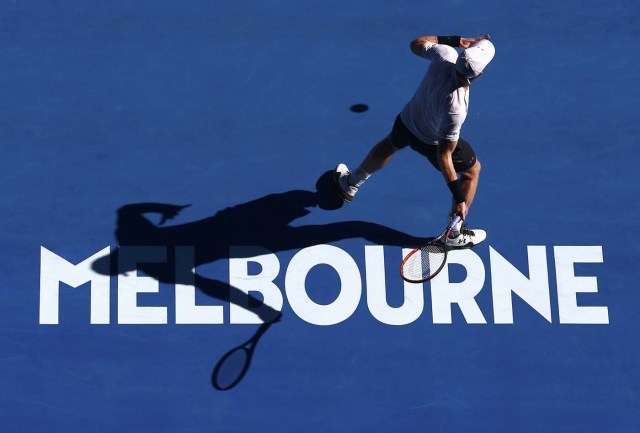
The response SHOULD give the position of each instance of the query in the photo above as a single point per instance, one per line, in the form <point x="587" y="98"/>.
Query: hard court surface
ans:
<point x="112" y="111"/>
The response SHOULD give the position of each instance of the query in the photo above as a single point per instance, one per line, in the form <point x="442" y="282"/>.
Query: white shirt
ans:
<point x="439" y="106"/>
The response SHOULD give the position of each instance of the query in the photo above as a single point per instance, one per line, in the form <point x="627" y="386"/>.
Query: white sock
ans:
<point x="358" y="177"/>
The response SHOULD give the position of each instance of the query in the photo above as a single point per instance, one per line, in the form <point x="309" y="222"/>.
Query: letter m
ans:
<point x="55" y="270"/>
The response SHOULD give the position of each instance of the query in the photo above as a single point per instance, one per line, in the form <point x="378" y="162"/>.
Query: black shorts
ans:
<point x="463" y="156"/>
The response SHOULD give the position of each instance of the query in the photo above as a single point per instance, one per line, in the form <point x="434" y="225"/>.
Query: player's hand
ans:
<point x="459" y="209"/>
<point x="467" y="42"/>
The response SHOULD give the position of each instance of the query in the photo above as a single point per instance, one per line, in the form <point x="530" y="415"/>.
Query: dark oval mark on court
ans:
<point x="359" y="108"/>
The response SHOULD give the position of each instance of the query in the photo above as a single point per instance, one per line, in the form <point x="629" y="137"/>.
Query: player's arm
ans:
<point x="417" y="45"/>
<point x="467" y="42"/>
<point x="445" y="162"/>
<point x="137" y="210"/>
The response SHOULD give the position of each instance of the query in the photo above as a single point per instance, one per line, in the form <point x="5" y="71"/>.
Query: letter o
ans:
<point x="350" y="285"/>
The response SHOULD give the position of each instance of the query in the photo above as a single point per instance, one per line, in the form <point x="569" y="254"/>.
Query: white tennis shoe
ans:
<point x="341" y="176"/>
<point x="466" y="239"/>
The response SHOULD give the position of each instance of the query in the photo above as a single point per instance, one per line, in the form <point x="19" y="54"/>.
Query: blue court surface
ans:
<point x="119" y="303"/>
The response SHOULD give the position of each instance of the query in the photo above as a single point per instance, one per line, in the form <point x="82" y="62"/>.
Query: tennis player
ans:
<point x="430" y="124"/>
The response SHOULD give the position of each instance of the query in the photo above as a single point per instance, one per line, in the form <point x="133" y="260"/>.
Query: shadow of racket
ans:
<point x="234" y="365"/>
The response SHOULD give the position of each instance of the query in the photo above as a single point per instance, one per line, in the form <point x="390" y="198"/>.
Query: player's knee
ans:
<point x="477" y="167"/>
<point x="388" y="145"/>
<point x="391" y="144"/>
<point x="473" y="171"/>
<point x="384" y="149"/>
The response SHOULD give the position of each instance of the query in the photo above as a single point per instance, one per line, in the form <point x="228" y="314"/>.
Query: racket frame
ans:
<point x="248" y="347"/>
<point x="442" y="238"/>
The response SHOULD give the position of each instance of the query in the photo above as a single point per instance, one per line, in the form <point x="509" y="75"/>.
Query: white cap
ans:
<point x="474" y="59"/>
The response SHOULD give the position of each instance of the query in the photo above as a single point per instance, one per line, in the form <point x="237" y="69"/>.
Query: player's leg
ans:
<point x="461" y="237"/>
<point x="377" y="158"/>
<point x="349" y="182"/>
<point x="469" y="182"/>
<point x="468" y="167"/>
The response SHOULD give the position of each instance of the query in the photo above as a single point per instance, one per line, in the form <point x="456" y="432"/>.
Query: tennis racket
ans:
<point x="233" y="366"/>
<point x="425" y="262"/>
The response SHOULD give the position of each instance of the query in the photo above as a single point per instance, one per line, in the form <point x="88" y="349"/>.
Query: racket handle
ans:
<point x="455" y="220"/>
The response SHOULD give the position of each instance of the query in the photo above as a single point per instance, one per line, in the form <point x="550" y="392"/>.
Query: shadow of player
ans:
<point x="264" y="222"/>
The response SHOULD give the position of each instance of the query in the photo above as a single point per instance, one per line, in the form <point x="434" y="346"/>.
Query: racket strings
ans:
<point x="427" y="261"/>
<point x="231" y="368"/>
